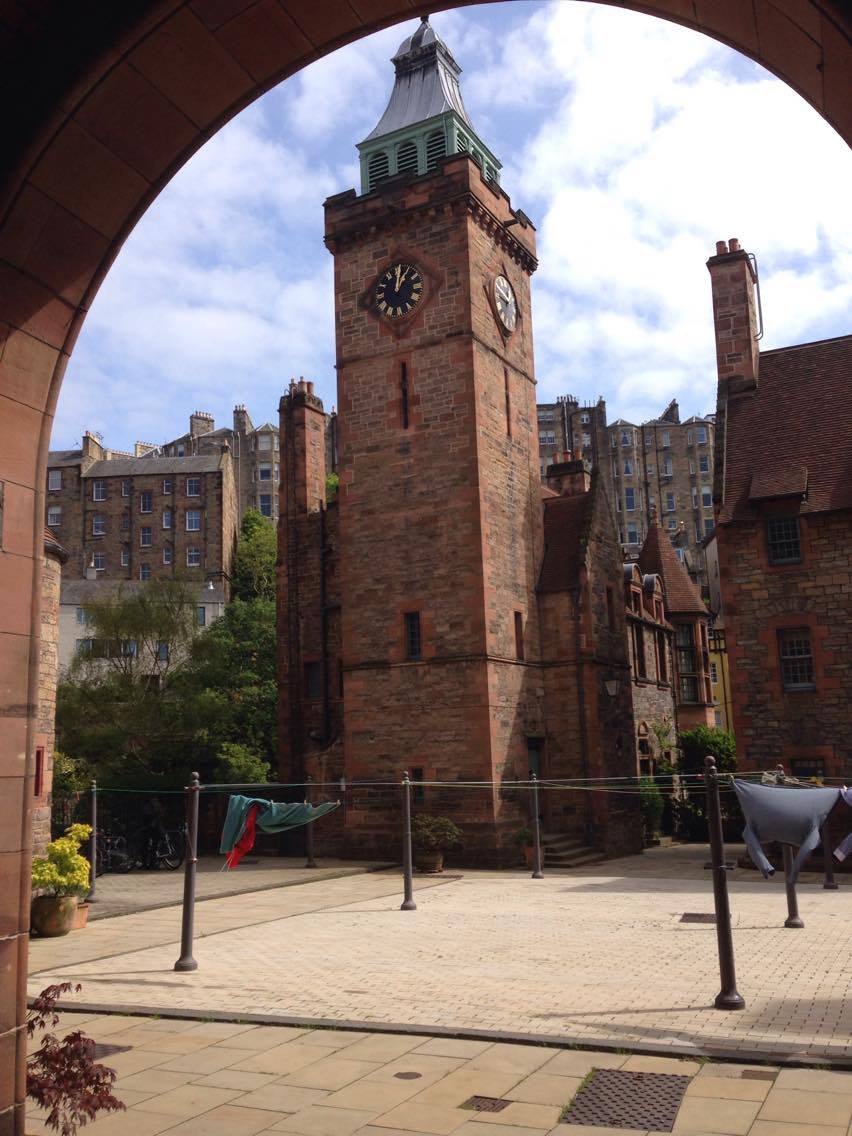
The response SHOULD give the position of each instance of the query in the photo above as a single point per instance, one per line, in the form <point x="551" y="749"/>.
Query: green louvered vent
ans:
<point x="378" y="168"/>
<point x="436" y="147"/>
<point x="406" y="158"/>
<point x="461" y="143"/>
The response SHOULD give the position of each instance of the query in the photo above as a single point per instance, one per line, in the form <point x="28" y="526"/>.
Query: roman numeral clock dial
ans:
<point x="505" y="303"/>
<point x="399" y="290"/>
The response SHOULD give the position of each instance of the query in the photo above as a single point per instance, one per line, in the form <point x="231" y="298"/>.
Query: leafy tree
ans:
<point x="701" y="742"/>
<point x="332" y="485"/>
<point x="239" y="763"/>
<point x="253" y="575"/>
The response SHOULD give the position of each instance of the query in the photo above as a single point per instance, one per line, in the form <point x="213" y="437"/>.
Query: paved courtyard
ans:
<point x="600" y="958"/>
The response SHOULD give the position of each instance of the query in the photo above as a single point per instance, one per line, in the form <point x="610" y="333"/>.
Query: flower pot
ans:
<point x="529" y="856"/>
<point x="52" y="915"/>
<point x="81" y="916"/>
<point x="429" y="861"/>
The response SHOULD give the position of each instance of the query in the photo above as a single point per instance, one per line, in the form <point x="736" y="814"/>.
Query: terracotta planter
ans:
<point x="529" y="856"/>
<point x="81" y="916"/>
<point x="429" y="861"/>
<point x="53" y="915"/>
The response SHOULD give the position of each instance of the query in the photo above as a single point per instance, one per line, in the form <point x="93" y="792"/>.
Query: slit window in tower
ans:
<point x="413" y="645"/>
<point x="508" y="403"/>
<point x="436" y="147"/>
<point x="519" y="635"/>
<point x="403" y="392"/>
<point x="378" y="168"/>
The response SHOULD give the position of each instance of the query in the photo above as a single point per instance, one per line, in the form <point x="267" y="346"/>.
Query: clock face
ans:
<point x="399" y="290"/>
<point x="505" y="302"/>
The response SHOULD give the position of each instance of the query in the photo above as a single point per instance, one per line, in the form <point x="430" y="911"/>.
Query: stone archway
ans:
<point x="110" y="100"/>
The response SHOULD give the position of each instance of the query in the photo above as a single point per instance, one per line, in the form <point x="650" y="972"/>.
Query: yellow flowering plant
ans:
<point x="64" y="870"/>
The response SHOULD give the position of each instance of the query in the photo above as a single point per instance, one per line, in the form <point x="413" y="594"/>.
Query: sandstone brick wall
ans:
<point x="774" y="725"/>
<point x="48" y="670"/>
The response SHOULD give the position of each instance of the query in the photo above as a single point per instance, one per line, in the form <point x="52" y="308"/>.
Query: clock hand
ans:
<point x="397" y="277"/>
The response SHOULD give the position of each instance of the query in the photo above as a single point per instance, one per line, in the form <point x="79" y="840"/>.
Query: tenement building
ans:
<point x="783" y="501"/>
<point x="445" y="614"/>
<point x="663" y="466"/>
<point x="124" y="519"/>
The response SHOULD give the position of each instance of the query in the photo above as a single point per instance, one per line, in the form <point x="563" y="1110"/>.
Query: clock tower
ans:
<point x="440" y="521"/>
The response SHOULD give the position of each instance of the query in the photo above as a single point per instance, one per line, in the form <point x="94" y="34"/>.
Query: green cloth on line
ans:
<point x="271" y="817"/>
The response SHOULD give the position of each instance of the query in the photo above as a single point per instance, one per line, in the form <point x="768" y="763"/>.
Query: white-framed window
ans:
<point x="709" y="526"/>
<point x="613" y="440"/>
<point x="672" y="524"/>
<point x="167" y="485"/>
<point x="689" y="437"/>
<point x="83" y="617"/>
<point x="648" y="440"/>
<point x="628" y="468"/>
<point x="276" y="441"/>
<point x="145" y="536"/>
<point x="167" y="555"/>
<point x="125" y="521"/>
<point x="193" y="487"/>
<point x="181" y="449"/>
<point x="54" y="480"/>
<point x="125" y="558"/>
<point x="126" y="487"/>
<point x="545" y="438"/>
<point x="146" y="502"/>
<point x="681" y="555"/>
<point x="161" y="651"/>
<point x="706" y="496"/>
<point x="99" y="561"/>
<point x="629" y="500"/>
<point x="98" y="525"/>
<point x="671" y="505"/>
<point x="264" y="441"/>
<point x="99" y="490"/>
<point x="625" y="438"/>
<point x="587" y="441"/>
<point x="702" y="435"/>
<point x="201" y="616"/>
<point x="265" y="500"/>
<point x="193" y="558"/>
<point x="668" y="468"/>
<point x="667" y="439"/>
<point x="54" y="516"/>
<point x="632" y="532"/>
<point x="695" y="497"/>
<point x="649" y="466"/>
<point x="704" y="463"/>
<point x="691" y="468"/>
<point x="584" y="418"/>
<point x="714" y="673"/>
<point x="193" y="520"/>
<point x="144" y="571"/>
<point x="167" y="518"/>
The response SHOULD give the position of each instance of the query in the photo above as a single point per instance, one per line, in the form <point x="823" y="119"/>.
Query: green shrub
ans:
<point x="434" y="833"/>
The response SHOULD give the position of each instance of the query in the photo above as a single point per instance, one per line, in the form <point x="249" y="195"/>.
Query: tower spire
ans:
<point x="425" y="118"/>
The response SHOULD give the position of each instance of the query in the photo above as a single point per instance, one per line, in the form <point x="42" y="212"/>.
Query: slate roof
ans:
<point x="426" y="85"/>
<point x="659" y="558"/>
<point x="64" y="457"/>
<point x="793" y="435"/>
<point x="127" y="467"/>
<point x="565" y="523"/>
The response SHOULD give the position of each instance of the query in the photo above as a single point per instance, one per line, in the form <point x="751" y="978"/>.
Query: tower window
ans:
<point x="508" y="404"/>
<point x="406" y="158"/>
<point x="403" y="393"/>
<point x="519" y="635"/>
<point x="413" y="645"/>
<point x="436" y="147"/>
<point x="377" y="168"/>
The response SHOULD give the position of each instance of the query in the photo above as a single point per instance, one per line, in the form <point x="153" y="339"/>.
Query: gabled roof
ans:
<point x="128" y="467"/>
<point x="791" y="436"/>
<point x="659" y="558"/>
<point x="265" y="426"/>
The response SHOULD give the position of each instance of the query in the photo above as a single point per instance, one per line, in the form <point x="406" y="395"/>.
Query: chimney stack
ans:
<point x="200" y="423"/>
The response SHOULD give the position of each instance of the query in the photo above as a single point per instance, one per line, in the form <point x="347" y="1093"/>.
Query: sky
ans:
<point x="633" y="144"/>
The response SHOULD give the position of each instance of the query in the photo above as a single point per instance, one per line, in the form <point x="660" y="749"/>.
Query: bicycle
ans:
<point x="170" y="848"/>
<point x="112" y="854"/>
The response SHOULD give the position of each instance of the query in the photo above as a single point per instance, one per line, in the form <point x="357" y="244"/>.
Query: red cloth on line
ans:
<point x="246" y="841"/>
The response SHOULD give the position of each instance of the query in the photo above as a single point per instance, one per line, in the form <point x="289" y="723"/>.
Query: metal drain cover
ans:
<point x="697" y="917"/>
<point x="614" y="1098"/>
<point x="486" y="1104"/>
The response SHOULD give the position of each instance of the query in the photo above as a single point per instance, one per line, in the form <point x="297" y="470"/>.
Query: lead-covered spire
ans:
<point x="425" y="118"/>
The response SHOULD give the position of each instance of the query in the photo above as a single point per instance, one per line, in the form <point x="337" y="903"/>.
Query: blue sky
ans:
<point x="633" y="145"/>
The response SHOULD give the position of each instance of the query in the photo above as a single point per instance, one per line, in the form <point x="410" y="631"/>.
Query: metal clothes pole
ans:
<point x="538" y="874"/>
<point x="828" y="881"/>
<point x="93" y="844"/>
<point x="793" y="919"/>
<point x="186" y="960"/>
<point x="408" y="903"/>
<point x="310" y="862"/>
<point x="728" y="997"/>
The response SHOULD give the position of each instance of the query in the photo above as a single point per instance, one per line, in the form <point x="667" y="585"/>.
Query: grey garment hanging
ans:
<point x="845" y="846"/>
<point x="788" y="815"/>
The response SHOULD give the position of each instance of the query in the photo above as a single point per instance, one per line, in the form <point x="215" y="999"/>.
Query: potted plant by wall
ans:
<point x="431" y="837"/>
<point x="525" y="841"/>
<point x="59" y="878"/>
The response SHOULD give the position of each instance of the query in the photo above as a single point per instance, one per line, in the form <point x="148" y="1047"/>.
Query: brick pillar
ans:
<point x="300" y="564"/>
<point x="732" y="281"/>
<point x="48" y="672"/>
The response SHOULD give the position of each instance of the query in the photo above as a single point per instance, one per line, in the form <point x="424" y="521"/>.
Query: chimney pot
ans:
<point x="310" y="388"/>
<point x="734" y="244"/>
<point x="721" y="248"/>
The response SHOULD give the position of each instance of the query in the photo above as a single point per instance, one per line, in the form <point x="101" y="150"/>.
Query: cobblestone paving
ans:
<point x="593" y="958"/>
<point x="234" y="1079"/>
